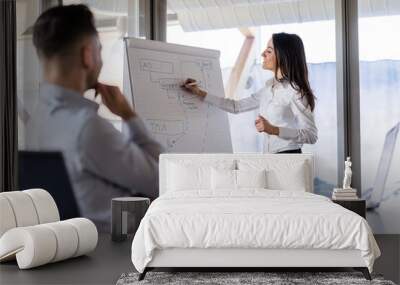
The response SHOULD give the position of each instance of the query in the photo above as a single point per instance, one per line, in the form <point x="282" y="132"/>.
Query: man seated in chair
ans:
<point x="102" y="162"/>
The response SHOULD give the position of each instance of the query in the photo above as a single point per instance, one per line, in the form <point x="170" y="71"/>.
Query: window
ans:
<point x="379" y="53"/>
<point x="215" y="26"/>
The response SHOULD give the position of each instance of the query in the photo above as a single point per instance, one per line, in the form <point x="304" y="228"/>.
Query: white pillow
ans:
<point x="223" y="179"/>
<point x="237" y="179"/>
<point x="293" y="178"/>
<point x="183" y="178"/>
<point x="251" y="178"/>
<point x="186" y="175"/>
<point x="282" y="174"/>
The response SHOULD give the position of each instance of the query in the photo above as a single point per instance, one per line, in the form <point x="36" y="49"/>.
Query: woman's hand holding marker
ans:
<point x="191" y="85"/>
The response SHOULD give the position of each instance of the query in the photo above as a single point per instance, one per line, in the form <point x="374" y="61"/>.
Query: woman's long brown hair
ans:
<point x="291" y="60"/>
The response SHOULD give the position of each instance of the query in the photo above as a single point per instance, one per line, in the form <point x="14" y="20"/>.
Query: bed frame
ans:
<point x="248" y="259"/>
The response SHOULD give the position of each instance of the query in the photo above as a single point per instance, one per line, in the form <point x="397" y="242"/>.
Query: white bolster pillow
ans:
<point x="32" y="246"/>
<point x="40" y="244"/>
<point x="24" y="211"/>
<point x="7" y="219"/>
<point x="26" y="208"/>
<point x="87" y="235"/>
<point x="45" y="205"/>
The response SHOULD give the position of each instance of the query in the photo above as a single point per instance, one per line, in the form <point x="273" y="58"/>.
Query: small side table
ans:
<point x="357" y="206"/>
<point x="127" y="212"/>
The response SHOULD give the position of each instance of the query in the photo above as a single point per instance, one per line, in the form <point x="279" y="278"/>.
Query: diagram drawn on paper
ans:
<point x="162" y="73"/>
<point x="182" y="122"/>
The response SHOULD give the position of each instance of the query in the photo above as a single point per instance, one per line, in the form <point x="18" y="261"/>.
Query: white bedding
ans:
<point x="251" y="218"/>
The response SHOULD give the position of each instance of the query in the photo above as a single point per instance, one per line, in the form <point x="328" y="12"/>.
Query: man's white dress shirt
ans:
<point x="102" y="162"/>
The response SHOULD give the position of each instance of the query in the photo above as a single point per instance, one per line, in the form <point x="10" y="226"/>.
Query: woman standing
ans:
<point x="285" y="104"/>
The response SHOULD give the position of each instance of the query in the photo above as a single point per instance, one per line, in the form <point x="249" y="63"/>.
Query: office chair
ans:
<point x="47" y="170"/>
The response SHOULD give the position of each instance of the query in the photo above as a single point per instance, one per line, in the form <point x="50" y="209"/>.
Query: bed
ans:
<point x="247" y="211"/>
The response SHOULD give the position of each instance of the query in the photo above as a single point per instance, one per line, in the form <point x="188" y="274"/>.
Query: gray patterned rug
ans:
<point x="243" y="278"/>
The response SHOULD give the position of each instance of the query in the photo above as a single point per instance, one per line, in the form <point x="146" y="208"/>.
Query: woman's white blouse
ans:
<point x="283" y="107"/>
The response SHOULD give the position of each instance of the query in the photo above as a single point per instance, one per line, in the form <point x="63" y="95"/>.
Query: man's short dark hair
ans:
<point x="60" y="28"/>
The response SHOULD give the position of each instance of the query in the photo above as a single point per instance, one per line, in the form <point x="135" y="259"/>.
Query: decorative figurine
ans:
<point x="347" y="174"/>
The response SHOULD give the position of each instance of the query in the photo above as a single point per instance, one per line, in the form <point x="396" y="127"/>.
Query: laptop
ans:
<point x="374" y="196"/>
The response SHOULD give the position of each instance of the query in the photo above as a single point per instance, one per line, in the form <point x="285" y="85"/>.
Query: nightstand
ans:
<point x="127" y="212"/>
<point x="357" y="206"/>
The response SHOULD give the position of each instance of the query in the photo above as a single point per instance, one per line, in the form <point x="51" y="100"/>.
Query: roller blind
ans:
<point x="197" y="15"/>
